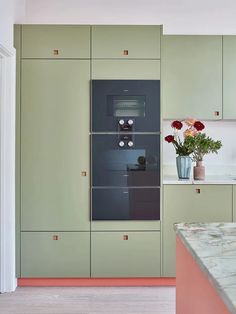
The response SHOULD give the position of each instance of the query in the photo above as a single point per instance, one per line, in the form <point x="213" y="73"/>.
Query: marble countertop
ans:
<point x="208" y="180"/>
<point x="213" y="246"/>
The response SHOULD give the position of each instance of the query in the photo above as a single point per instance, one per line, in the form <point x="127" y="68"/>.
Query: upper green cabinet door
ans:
<point x="127" y="42"/>
<point x="55" y="145"/>
<point x="229" y="77"/>
<point x="191" y="77"/>
<point x="55" y="41"/>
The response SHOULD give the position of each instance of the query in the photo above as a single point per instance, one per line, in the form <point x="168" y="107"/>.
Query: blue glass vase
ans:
<point x="184" y="164"/>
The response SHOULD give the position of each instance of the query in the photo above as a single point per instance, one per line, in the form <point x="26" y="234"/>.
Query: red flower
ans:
<point x="199" y="126"/>
<point x="177" y="124"/>
<point x="169" y="138"/>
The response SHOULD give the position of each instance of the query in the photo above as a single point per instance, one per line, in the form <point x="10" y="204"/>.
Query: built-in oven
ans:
<point x="125" y="105"/>
<point x="125" y="150"/>
<point x="134" y="203"/>
<point x="125" y="160"/>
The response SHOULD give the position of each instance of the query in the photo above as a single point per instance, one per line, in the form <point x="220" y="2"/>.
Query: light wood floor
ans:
<point x="89" y="300"/>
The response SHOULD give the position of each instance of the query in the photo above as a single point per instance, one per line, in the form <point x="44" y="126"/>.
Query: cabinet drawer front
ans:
<point x="142" y="42"/>
<point x="55" y="145"/>
<point x="55" y="41"/>
<point x="125" y="254"/>
<point x="55" y="254"/>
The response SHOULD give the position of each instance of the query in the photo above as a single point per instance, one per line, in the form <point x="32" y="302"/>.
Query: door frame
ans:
<point x="8" y="280"/>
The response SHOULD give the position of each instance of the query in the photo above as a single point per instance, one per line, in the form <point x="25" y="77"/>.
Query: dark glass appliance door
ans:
<point x="125" y="160"/>
<point x="125" y="204"/>
<point x="137" y="101"/>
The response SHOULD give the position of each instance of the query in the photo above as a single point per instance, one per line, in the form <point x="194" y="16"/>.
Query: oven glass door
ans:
<point x="125" y="160"/>
<point x="126" y="204"/>
<point x="137" y="101"/>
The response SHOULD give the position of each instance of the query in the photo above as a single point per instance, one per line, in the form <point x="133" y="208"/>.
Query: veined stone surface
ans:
<point x="213" y="246"/>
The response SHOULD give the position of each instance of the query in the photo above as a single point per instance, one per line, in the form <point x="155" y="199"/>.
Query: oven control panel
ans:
<point x="126" y="124"/>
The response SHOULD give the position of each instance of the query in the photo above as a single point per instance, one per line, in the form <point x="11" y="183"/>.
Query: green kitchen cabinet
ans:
<point x="191" y="203"/>
<point x="125" y="254"/>
<point x="126" y="69"/>
<point x="234" y="203"/>
<point x="229" y="77"/>
<point x="126" y="42"/>
<point x="191" y="73"/>
<point x="55" y="145"/>
<point x="55" y="254"/>
<point x="56" y="41"/>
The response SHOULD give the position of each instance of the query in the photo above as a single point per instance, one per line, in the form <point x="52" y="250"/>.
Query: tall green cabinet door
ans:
<point x="191" y="77"/>
<point x="125" y="254"/>
<point x="55" y="145"/>
<point x="126" y="42"/>
<point x="191" y="203"/>
<point x="229" y="77"/>
<point x="55" y="254"/>
<point x="55" y="41"/>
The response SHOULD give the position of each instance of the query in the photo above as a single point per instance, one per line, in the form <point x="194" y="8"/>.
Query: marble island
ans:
<point x="212" y="248"/>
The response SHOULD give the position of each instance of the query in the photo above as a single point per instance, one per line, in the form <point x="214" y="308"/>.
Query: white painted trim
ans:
<point x="7" y="170"/>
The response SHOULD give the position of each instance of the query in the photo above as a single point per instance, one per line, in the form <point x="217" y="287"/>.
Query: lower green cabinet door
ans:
<point x="125" y="254"/>
<point x="55" y="254"/>
<point x="191" y="203"/>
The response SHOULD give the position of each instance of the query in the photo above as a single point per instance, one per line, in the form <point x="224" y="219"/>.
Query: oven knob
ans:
<point x="121" y="122"/>
<point x="130" y="143"/>
<point x="130" y="122"/>
<point x="121" y="143"/>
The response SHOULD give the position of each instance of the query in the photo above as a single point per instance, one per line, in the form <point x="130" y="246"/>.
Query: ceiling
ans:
<point x="177" y="16"/>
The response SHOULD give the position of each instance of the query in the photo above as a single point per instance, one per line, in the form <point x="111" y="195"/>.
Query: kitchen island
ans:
<point x="205" y="268"/>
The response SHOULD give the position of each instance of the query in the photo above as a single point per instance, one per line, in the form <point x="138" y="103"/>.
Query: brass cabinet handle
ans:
<point x="125" y="237"/>
<point x="55" y="237"/>
<point x="216" y="113"/>
<point x="55" y="52"/>
<point x="125" y="52"/>
<point x="83" y="173"/>
<point x="198" y="191"/>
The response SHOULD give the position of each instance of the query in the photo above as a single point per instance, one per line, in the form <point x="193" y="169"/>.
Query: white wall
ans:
<point x="224" y="163"/>
<point x="178" y="17"/>
<point x="11" y="11"/>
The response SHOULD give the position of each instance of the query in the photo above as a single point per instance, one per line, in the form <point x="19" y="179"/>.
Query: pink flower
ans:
<point x="190" y="121"/>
